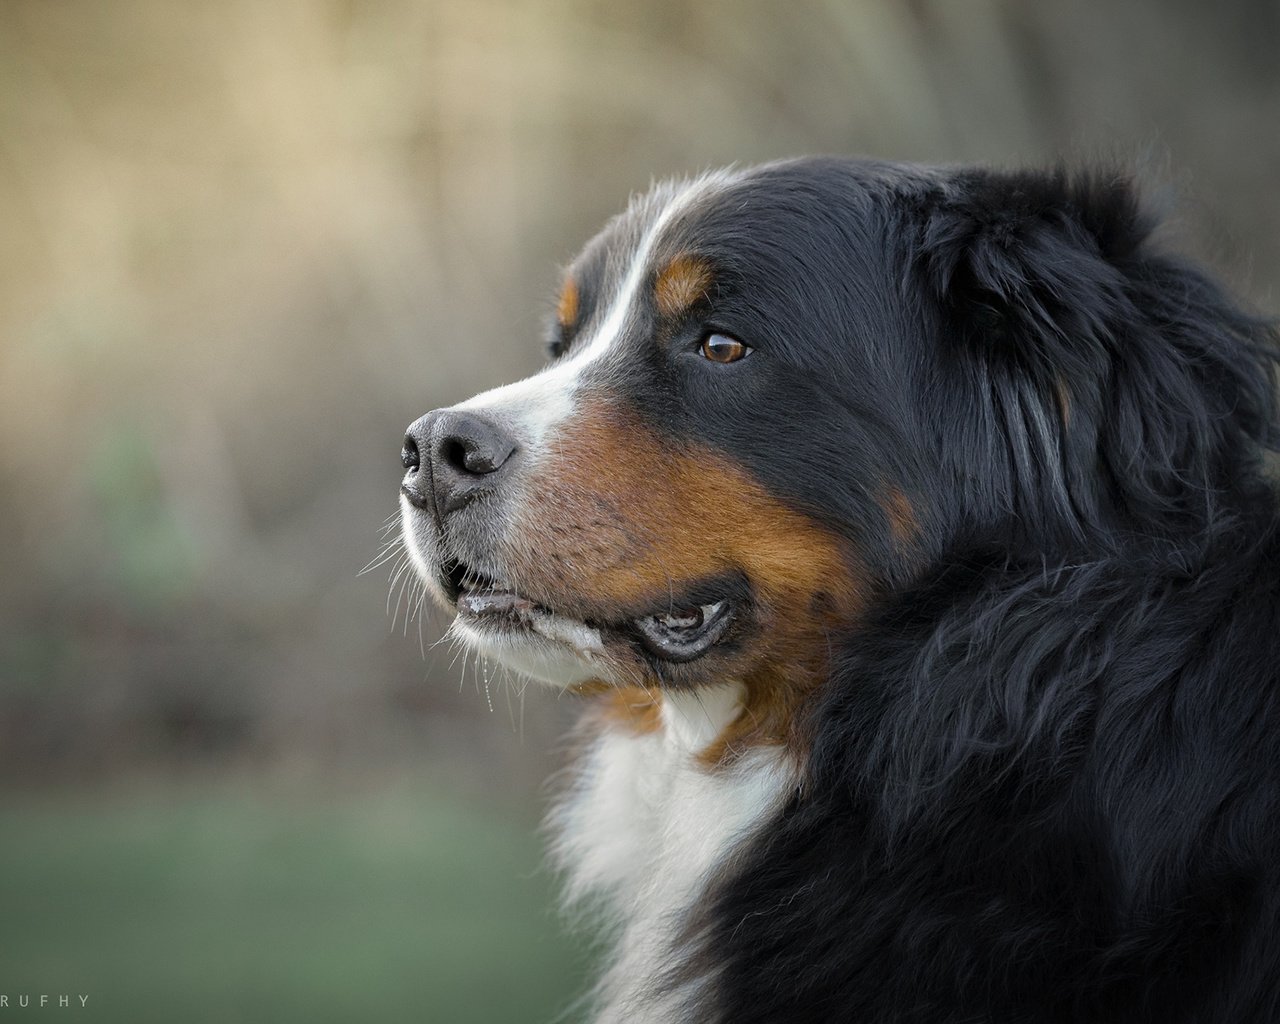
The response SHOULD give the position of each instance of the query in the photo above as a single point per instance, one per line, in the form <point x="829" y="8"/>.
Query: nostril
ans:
<point x="409" y="456"/>
<point x="469" y="456"/>
<point x="460" y="455"/>
<point x="455" y="453"/>
<point x="470" y="446"/>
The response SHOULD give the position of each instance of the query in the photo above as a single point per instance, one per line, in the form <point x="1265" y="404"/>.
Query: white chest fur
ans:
<point x="646" y="825"/>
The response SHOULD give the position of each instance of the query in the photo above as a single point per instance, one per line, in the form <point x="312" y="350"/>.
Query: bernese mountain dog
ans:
<point x="907" y="534"/>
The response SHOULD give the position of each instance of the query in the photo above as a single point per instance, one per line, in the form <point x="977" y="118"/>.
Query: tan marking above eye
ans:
<point x="681" y="283"/>
<point x="567" y="307"/>
<point x="723" y="348"/>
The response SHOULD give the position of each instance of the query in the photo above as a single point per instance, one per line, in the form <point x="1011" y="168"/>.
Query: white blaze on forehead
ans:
<point x="533" y="407"/>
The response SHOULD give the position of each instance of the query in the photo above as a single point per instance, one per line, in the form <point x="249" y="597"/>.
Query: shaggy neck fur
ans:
<point x="645" y="827"/>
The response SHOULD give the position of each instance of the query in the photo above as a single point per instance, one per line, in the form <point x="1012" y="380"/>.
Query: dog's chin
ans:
<point x="553" y="650"/>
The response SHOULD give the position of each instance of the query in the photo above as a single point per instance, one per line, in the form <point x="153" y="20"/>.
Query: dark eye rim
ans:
<point x="742" y="351"/>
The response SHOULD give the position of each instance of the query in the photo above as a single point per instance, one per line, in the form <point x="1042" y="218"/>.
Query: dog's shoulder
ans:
<point x="1031" y="795"/>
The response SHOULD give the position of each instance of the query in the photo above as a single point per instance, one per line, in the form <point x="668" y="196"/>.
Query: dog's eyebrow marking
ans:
<point x="535" y="407"/>
<point x="567" y="307"/>
<point x="624" y="298"/>
<point x="681" y="283"/>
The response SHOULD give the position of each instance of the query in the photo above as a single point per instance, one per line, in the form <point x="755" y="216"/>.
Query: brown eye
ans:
<point x="720" y="348"/>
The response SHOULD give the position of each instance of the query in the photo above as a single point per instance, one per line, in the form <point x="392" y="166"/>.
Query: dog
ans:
<point x="907" y="533"/>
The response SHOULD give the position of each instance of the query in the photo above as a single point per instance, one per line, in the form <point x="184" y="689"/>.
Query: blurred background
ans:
<point x="243" y="243"/>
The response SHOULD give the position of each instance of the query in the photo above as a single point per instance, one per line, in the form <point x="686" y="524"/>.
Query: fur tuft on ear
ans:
<point x="1104" y="382"/>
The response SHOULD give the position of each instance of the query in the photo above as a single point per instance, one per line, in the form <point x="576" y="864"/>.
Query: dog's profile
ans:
<point x="907" y="534"/>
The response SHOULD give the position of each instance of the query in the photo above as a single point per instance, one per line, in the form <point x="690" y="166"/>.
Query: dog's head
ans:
<point x="775" y="394"/>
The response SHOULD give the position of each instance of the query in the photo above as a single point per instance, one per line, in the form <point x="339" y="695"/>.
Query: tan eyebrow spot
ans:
<point x="567" y="307"/>
<point x="681" y="283"/>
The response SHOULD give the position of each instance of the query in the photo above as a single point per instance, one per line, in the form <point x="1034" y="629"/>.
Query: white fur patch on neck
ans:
<point x="692" y="719"/>
<point x="644" y="829"/>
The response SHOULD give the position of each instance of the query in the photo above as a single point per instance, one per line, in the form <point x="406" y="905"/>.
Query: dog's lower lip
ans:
<point x="671" y="635"/>
<point x="479" y="597"/>
<point x="493" y="602"/>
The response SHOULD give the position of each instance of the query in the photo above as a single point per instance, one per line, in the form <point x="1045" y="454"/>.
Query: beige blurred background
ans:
<point x="242" y="245"/>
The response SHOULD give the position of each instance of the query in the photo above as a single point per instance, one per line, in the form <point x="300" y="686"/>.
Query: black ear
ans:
<point x="1106" y="382"/>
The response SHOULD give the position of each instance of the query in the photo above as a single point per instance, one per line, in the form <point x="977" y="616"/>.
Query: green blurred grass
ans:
<point x="165" y="904"/>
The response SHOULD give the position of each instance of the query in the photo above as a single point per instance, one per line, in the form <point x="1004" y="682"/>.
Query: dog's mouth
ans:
<point x="676" y="633"/>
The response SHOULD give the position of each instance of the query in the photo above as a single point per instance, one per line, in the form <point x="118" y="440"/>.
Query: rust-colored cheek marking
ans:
<point x="681" y="283"/>
<point x="623" y="517"/>
<point x="567" y="306"/>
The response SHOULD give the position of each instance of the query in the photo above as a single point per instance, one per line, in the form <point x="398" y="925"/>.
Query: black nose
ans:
<point x="462" y="453"/>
